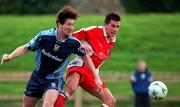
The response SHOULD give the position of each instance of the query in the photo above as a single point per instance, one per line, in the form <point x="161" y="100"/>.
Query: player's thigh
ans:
<point x="73" y="78"/>
<point x="50" y="97"/>
<point x="29" y="101"/>
<point x="72" y="82"/>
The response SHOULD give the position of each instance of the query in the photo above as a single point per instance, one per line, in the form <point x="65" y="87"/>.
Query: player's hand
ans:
<point x="5" y="58"/>
<point x="88" y="49"/>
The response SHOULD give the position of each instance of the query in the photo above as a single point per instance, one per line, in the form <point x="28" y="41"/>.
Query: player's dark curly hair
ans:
<point x="66" y="12"/>
<point x="112" y="16"/>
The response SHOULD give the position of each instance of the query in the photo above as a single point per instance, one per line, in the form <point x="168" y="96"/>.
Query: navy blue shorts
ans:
<point x="37" y="85"/>
<point x="142" y="100"/>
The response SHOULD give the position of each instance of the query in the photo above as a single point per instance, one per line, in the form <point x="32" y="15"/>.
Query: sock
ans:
<point x="104" y="105"/>
<point x="61" y="99"/>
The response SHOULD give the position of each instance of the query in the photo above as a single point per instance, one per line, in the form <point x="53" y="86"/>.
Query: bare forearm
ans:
<point x="87" y="60"/>
<point x="18" y="51"/>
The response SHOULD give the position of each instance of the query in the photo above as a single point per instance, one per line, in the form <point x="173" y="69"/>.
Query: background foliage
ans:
<point x="146" y="6"/>
<point x="51" y="6"/>
<point x="153" y="37"/>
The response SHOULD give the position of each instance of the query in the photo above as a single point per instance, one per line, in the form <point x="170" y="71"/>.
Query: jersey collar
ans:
<point x="104" y="31"/>
<point x="56" y="34"/>
<point x="105" y="35"/>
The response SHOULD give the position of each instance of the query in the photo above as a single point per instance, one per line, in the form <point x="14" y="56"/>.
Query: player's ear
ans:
<point x="106" y="24"/>
<point x="58" y="24"/>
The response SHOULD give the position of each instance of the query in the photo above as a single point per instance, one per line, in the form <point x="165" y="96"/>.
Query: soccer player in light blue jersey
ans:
<point x="52" y="50"/>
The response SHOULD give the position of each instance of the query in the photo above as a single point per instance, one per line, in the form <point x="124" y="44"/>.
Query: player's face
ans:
<point x="111" y="29"/>
<point x="67" y="28"/>
<point x="141" y="66"/>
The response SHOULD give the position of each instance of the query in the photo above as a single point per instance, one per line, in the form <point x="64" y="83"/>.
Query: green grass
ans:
<point x="124" y="88"/>
<point x="117" y="88"/>
<point x="153" y="37"/>
<point x="121" y="103"/>
<point x="12" y="88"/>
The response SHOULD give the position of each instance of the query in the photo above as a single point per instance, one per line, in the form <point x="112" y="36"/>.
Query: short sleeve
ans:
<point x="150" y="77"/>
<point x="33" y="43"/>
<point x="133" y="78"/>
<point x="78" y="50"/>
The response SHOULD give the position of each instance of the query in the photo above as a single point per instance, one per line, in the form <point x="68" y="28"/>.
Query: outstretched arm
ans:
<point x="84" y="52"/>
<point x="87" y="60"/>
<point x="17" y="52"/>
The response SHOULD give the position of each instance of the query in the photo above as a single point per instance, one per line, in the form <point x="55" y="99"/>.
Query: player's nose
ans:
<point x="115" y="29"/>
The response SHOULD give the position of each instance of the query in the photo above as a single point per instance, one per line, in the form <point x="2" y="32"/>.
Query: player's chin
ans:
<point x="112" y="36"/>
<point x="68" y="33"/>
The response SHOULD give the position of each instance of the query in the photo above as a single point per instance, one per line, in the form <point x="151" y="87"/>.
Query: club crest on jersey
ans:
<point x="56" y="47"/>
<point x="53" y="84"/>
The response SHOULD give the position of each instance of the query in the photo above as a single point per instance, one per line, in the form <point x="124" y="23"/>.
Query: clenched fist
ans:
<point x="5" y="58"/>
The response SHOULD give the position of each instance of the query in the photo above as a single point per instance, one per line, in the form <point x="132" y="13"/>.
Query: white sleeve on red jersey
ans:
<point x="82" y="33"/>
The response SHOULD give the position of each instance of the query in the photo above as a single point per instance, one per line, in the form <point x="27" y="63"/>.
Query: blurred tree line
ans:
<point x="31" y="6"/>
<point x="144" y="6"/>
<point x="51" y="6"/>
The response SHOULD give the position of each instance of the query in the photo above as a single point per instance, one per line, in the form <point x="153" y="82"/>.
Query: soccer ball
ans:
<point x="157" y="90"/>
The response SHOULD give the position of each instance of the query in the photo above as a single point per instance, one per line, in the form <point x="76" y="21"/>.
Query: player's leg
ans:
<point x="29" y="101"/>
<point x="52" y="88"/>
<point x="32" y="93"/>
<point x="105" y="95"/>
<point x="72" y="83"/>
<point x="50" y="98"/>
<point x="138" y="100"/>
<point x="147" y="102"/>
<point x="87" y="83"/>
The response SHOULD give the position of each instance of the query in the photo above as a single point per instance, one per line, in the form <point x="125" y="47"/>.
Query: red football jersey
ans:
<point x="95" y="38"/>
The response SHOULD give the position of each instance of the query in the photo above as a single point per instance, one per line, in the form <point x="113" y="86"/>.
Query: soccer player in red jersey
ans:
<point x="98" y="41"/>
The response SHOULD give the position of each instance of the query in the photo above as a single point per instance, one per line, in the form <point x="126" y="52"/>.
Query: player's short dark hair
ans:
<point x="66" y="12"/>
<point x="112" y="16"/>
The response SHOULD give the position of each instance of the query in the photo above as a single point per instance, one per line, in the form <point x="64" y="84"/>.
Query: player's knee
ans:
<point x="70" y="89"/>
<point x="111" y="102"/>
<point x="48" y="104"/>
